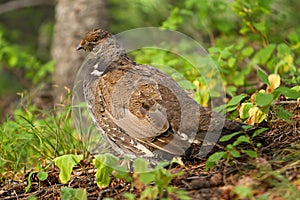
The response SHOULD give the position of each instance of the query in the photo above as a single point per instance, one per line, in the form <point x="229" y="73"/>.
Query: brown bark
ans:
<point x="73" y="19"/>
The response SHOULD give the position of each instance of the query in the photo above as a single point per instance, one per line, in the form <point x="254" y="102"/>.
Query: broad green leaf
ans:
<point x="283" y="49"/>
<point x="289" y="93"/>
<point x="242" y="191"/>
<point x="13" y="60"/>
<point x="32" y="198"/>
<point x="241" y="139"/>
<point x="216" y="156"/>
<point x="213" y="159"/>
<point x="42" y="176"/>
<point x="259" y="131"/>
<point x="66" y="164"/>
<point x="296" y="88"/>
<point x="262" y="99"/>
<point x="104" y="164"/>
<point x="235" y="153"/>
<point x="229" y="136"/>
<point x="284" y="114"/>
<point x="230" y="147"/>
<point x="231" y="61"/>
<point x="74" y="194"/>
<point x="235" y="100"/>
<point x="250" y="153"/>
<point x="140" y="165"/>
<point x="260" y="26"/>
<point x="150" y="193"/>
<point x="246" y="127"/>
<point x="247" y="51"/>
<point x="263" y="77"/>
<point x="141" y="169"/>
<point x="263" y="55"/>
<point x="129" y="196"/>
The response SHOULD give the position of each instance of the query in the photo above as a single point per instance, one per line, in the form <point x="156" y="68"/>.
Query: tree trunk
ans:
<point x="73" y="19"/>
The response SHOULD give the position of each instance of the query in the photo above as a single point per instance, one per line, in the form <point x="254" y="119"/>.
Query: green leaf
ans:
<point x="283" y="49"/>
<point x="296" y="88"/>
<point x="32" y="198"/>
<point x="146" y="175"/>
<point x="262" y="99"/>
<point x="13" y="60"/>
<point x="246" y="127"/>
<point x="263" y="77"/>
<point x="235" y="100"/>
<point x="213" y="159"/>
<point x="66" y="164"/>
<point x="242" y="191"/>
<point x="235" y="153"/>
<point x="129" y="196"/>
<point x="289" y="93"/>
<point x="42" y="176"/>
<point x="247" y="51"/>
<point x="150" y="193"/>
<point x="229" y="136"/>
<point x="229" y="147"/>
<point x="250" y="153"/>
<point x="260" y="26"/>
<point x="264" y="54"/>
<point x="284" y="114"/>
<point x="259" y="131"/>
<point x="231" y="61"/>
<point x="140" y="165"/>
<point x="104" y="164"/>
<point x="241" y="139"/>
<point x="74" y="194"/>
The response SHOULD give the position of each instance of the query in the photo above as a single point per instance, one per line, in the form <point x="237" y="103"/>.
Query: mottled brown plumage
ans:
<point x="140" y="110"/>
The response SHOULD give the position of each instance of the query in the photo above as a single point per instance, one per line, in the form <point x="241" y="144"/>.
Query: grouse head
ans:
<point x="92" y="39"/>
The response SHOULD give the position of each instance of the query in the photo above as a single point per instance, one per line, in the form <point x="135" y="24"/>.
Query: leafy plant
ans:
<point x="66" y="164"/>
<point x="151" y="182"/>
<point x="15" y="57"/>
<point x="31" y="134"/>
<point x="71" y="193"/>
<point x="232" y="151"/>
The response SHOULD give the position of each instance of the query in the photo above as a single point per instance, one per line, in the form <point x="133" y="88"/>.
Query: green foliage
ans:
<point x="143" y="176"/>
<point x="104" y="165"/>
<point x="154" y="180"/>
<point x="40" y="175"/>
<point x="142" y="13"/>
<point x="15" y="57"/>
<point x="243" y="191"/>
<point x="71" y="193"/>
<point x="66" y="164"/>
<point x="233" y="151"/>
<point x="32" y="134"/>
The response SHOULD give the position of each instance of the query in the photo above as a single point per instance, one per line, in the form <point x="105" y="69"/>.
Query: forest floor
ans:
<point x="274" y="174"/>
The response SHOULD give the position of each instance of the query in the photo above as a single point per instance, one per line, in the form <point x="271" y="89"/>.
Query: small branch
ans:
<point x="17" y="4"/>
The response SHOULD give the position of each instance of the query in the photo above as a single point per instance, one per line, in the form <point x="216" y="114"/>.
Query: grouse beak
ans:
<point x="79" y="47"/>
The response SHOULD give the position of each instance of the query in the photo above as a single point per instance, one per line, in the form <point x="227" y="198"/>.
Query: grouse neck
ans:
<point x="108" y="51"/>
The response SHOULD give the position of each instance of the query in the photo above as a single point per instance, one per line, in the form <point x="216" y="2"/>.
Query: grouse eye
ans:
<point x="95" y="39"/>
